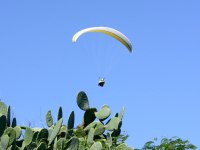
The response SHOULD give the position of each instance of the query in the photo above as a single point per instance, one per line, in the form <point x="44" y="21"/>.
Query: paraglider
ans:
<point x="110" y="32"/>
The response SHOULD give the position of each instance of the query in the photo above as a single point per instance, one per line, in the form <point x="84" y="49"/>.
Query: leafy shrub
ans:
<point x="174" y="143"/>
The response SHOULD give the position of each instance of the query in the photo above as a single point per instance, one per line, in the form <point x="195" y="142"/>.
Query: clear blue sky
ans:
<point x="158" y="84"/>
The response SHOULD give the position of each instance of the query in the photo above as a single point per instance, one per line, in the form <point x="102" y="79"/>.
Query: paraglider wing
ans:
<point x="108" y="31"/>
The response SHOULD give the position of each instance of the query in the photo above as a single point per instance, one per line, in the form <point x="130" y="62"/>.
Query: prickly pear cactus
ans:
<point x="96" y="132"/>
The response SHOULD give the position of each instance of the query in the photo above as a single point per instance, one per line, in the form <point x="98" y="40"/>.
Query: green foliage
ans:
<point x="96" y="132"/>
<point x="123" y="146"/>
<point x="173" y="143"/>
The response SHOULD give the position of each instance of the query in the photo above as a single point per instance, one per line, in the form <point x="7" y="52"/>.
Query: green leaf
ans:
<point x="148" y="144"/>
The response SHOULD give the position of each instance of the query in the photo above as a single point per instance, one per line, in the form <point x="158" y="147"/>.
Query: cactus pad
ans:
<point x="49" y="119"/>
<point x="103" y="113"/>
<point x="96" y="146"/>
<point x="3" y="124"/>
<point x="82" y="101"/>
<point x="55" y="131"/>
<point x="89" y="116"/>
<point x="113" y="124"/>
<point x="3" y="109"/>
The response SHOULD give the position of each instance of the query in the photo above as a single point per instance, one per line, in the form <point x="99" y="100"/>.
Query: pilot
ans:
<point x="101" y="82"/>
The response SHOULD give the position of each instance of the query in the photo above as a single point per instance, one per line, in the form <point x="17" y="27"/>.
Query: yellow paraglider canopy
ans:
<point x="106" y="30"/>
